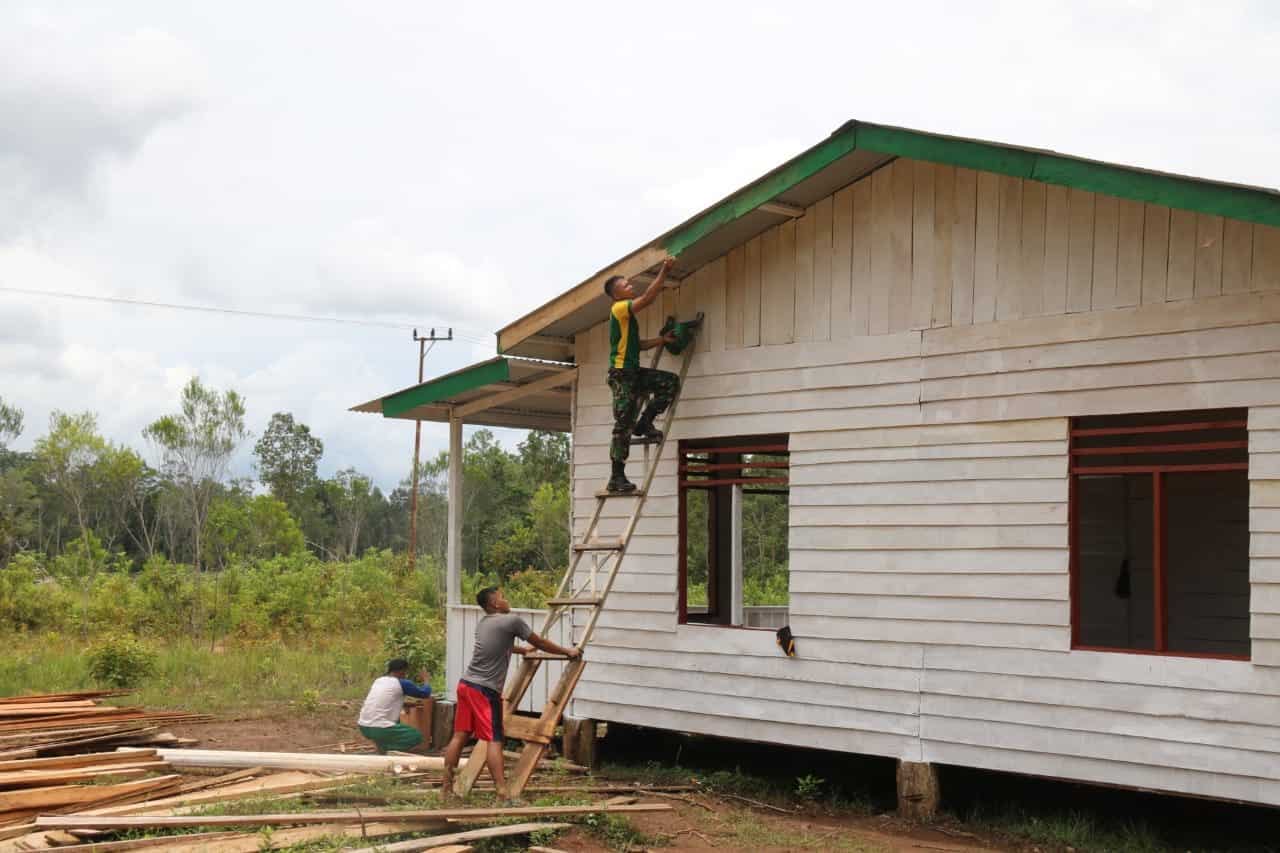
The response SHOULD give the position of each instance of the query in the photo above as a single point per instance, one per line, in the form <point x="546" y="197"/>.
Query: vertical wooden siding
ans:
<point x="916" y="245"/>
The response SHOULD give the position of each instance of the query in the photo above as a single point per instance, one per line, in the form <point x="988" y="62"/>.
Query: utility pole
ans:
<point x="423" y="349"/>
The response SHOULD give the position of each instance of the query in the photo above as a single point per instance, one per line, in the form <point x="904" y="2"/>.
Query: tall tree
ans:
<point x="196" y="445"/>
<point x="544" y="458"/>
<point x="288" y="455"/>
<point x="352" y="497"/>
<point x="10" y="423"/>
<point x="68" y="457"/>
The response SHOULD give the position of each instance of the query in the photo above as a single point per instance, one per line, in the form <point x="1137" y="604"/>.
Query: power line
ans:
<point x="206" y="309"/>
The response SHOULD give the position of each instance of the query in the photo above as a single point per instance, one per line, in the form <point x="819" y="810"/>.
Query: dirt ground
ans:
<point x="698" y="822"/>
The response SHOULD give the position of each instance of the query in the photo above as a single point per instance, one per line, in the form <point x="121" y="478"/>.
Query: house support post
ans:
<point x="918" y="790"/>
<point x="453" y="560"/>
<point x="580" y="744"/>
<point x="442" y="724"/>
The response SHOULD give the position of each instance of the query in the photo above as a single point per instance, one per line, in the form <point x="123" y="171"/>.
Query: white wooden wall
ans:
<point x="929" y="586"/>
<point x="461" y="636"/>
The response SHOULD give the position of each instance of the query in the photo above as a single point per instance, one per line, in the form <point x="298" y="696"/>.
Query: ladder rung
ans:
<point x="605" y="493"/>
<point x="599" y="545"/>
<point x="524" y="728"/>
<point x="544" y="656"/>
<point x="635" y="439"/>
<point x="575" y="602"/>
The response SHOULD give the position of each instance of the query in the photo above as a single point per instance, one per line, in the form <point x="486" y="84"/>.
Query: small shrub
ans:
<point x="120" y="660"/>
<point x="809" y="787"/>
<point x="309" y="701"/>
<point x="418" y="637"/>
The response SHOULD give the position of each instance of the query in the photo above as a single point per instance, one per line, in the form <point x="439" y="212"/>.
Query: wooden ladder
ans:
<point x="571" y="595"/>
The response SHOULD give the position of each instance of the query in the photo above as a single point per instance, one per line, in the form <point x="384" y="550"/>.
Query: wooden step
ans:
<point x="523" y="728"/>
<point x="544" y="656"/>
<point x="599" y="545"/>
<point x="575" y="602"/>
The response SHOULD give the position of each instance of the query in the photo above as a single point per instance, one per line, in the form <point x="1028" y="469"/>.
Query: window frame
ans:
<point x="772" y="444"/>
<point x="1233" y="419"/>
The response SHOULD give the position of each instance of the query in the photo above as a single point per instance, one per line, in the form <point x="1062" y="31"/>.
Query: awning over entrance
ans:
<point x="502" y="391"/>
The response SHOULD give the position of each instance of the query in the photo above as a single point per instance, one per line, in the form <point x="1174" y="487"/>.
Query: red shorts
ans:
<point x="479" y="712"/>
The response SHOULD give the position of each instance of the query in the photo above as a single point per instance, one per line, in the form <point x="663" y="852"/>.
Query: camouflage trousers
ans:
<point x="630" y="388"/>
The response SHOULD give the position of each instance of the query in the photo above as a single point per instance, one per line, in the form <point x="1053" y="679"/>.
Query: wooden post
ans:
<point x="442" y="724"/>
<point x="454" y="553"/>
<point x="580" y="742"/>
<point x="918" y="790"/>
<point x="419" y="716"/>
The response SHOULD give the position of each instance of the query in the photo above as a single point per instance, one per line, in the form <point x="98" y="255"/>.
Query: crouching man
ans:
<point x="479" y="709"/>
<point x="380" y="715"/>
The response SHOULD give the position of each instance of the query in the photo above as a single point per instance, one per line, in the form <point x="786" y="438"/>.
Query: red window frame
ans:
<point x="692" y="474"/>
<point x="1223" y="426"/>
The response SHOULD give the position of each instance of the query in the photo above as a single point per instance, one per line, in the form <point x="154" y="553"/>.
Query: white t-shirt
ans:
<point x="381" y="708"/>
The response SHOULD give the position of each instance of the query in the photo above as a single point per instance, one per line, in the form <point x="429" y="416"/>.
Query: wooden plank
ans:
<point x="963" y="235"/>
<point x="881" y="248"/>
<point x="84" y="760"/>
<point x="310" y="761"/>
<point x="712" y="304"/>
<point x="336" y="817"/>
<point x="687" y="296"/>
<point x="1057" y="228"/>
<point x="923" y="248"/>
<point x="823" y="213"/>
<point x="471" y="771"/>
<point x="1208" y="275"/>
<point x="986" y="246"/>
<point x="734" y="296"/>
<point x="1106" y="243"/>
<point x="1009" y="249"/>
<point x="1129" y="257"/>
<point x="751" y="304"/>
<point x="1031" y="262"/>
<point x="777" y="320"/>
<point x="73" y="775"/>
<point x="441" y="842"/>
<point x="1080" y="251"/>
<point x="1182" y="255"/>
<point x="1265" y="273"/>
<point x="1155" y="254"/>
<point x="1237" y="255"/>
<point x="902" y="186"/>
<point x="861" y="279"/>
<point x="842" y="264"/>
<point x="944" y="213"/>
<point x="804" y="280"/>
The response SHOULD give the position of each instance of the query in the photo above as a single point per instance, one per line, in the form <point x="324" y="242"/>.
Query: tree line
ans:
<point x="78" y="506"/>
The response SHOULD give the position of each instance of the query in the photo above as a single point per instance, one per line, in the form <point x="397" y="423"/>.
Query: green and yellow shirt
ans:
<point x="624" y="336"/>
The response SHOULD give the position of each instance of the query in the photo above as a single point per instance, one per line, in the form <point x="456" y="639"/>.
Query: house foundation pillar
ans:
<point x="580" y="742"/>
<point x="918" y="790"/>
<point x="442" y="724"/>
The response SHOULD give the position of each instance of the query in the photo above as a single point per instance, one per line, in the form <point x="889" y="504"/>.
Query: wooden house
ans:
<point x="1024" y="409"/>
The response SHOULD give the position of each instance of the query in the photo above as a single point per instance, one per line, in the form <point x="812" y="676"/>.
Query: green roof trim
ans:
<point x="766" y="189"/>
<point x="449" y="385"/>
<point x="1237" y="202"/>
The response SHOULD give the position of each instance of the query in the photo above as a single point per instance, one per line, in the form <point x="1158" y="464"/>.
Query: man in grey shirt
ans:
<point x="479" y="708"/>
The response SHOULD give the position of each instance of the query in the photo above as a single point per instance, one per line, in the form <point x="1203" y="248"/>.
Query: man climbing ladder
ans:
<point x="629" y="382"/>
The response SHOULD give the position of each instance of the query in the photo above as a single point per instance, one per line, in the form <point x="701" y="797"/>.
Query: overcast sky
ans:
<point x="460" y="163"/>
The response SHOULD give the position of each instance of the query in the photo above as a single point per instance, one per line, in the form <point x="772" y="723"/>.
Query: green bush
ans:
<point x="418" y="637"/>
<point x="120" y="660"/>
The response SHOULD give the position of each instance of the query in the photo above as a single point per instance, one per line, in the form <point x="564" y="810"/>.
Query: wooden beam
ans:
<point x="299" y="760"/>
<point x="560" y="376"/>
<point x="438" y="842"/>
<point x="782" y="209"/>
<point x="580" y="297"/>
<point x="311" y="818"/>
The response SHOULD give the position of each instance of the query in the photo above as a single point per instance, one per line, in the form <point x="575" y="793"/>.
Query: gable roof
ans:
<point x="853" y="151"/>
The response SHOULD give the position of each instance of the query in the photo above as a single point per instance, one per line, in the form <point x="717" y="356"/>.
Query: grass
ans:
<point x="1074" y="829"/>
<point x="244" y="678"/>
<point x="804" y="792"/>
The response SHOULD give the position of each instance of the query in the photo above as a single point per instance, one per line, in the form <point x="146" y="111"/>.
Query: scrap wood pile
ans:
<point x="65" y="723"/>
<point x="290" y="781"/>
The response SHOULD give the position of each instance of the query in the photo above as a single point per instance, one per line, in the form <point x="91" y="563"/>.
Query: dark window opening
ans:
<point x="734" y="531"/>
<point x="1160" y="533"/>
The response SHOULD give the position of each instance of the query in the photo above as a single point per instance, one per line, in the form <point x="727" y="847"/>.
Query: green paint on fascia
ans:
<point x="807" y="164"/>
<point x="485" y="373"/>
<point x="942" y="149"/>
<point x="1241" y="203"/>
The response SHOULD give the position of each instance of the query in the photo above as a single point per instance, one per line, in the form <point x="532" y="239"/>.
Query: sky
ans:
<point x="432" y="164"/>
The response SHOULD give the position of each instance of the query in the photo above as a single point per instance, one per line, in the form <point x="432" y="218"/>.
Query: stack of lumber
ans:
<point x="67" y="723"/>
<point x="58" y="755"/>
